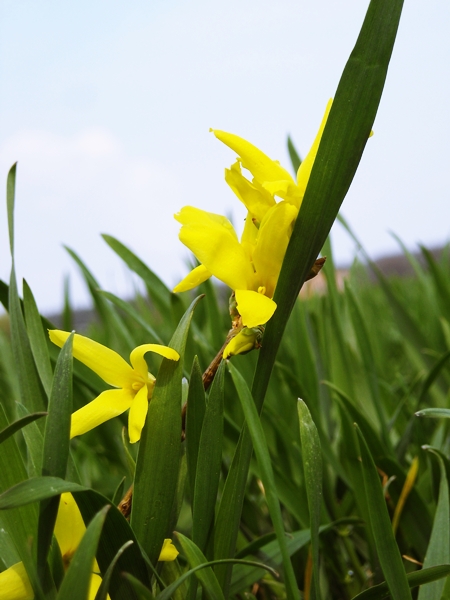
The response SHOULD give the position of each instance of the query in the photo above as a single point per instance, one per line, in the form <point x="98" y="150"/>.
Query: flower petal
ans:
<point x="14" y="584"/>
<point x="139" y="363"/>
<point x="168" y="551"/>
<point x="195" y="278"/>
<point x="190" y="214"/>
<point x="305" y="168"/>
<point x="137" y="415"/>
<point x="255" y="309"/>
<point x="108" y="405"/>
<point x="220" y="252"/>
<point x="69" y="527"/>
<point x="259" y="164"/>
<point x="256" y="200"/>
<point x="273" y="238"/>
<point x="108" y="365"/>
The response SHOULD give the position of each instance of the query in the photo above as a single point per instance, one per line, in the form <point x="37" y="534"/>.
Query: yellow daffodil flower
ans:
<point x="251" y="266"/>
<point x="69" y="530"/>
<point x="135" y="383"/>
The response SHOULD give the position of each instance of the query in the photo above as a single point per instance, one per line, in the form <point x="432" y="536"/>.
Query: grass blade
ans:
<point x="17" y="425"/>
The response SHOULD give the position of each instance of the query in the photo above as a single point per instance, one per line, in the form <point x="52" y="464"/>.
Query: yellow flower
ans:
<point x="251" y="266"/>
<point x="135" y="383"/>
<point x="69" y="530"/>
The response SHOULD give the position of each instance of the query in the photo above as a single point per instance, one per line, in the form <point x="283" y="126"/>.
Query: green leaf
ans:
<point x="142" y="592"/>
<point x="130" y="310"/>
<point x="266" y="473"/>
<point x="116" y="532"/>
<point x="434" y="413"/>
<point x="208" y="463"/>
<point x="34" y="440"/>
<point x="293" y="154"/>
<point x="312" y="465"/>
<point x="195" y="412"/>
<point x="381" y="591"/>
<point x="10" y="199"/>
<point x="56" y="446"/>
<point x="159" y="452"/>
<point x="438" y="551"/>
<point x="157" y="290"/>
<point x="38" y="339"/>
<point x="17" y="425"/>
<point x="75" y="585"/>
<point x="106" y="580"/>
<point x="380" y="523"/>
<point x="35" y="490"/>
<point x="206" y="576"/>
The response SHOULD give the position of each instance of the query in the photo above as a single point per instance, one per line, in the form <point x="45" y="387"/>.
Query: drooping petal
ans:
<point x="14" y="584"/>
<point x="190" y="215"/>
<point x="108" y="365"/>
<point x="137" y="415"/>
<point x="108" y="405"/>
<point x="259" y="164"/>
<point x="193" y="279"/>
<point x="168" y="551"/>
<point x="255" y="309"/>
<point x="305" y="168"/>
<point x="220" y="253"/>
<point x="249" y="237"/>
<point x="273" y="238"/>
<point x="256" y="199"/>
<point x="138" y="361"/>
<point x="69" y="527"/>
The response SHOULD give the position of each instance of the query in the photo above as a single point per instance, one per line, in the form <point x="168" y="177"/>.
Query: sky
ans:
<point x="107" y="106"/>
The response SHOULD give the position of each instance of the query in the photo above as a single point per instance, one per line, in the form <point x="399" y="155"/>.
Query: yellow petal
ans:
<point x="256" y="199"/>
<point x="220" y="253"/>
<point x="273" y="238"/>
<point x="259" y="164"/>
<point x="284" y="189"/>
<point x="255" y="309"/>
<point x="137" y="415"/>
<point x="14" y="584"/>
<point x="138" y="361"/>
<point x="69" y="527"/>
<point x="190" y="214"/>
<point x="108" y="405"/>
<point x="168" y="551"/>
<point x="249" y="237"/>
<point x="108" y="365"/>
<point x="195" y="278"/>
<point x="305" y="168"/>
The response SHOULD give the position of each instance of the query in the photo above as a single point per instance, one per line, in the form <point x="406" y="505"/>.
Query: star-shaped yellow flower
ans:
<point x="69" y="530"/>
<point x="135" y="383"/>
<point x="251" y="266"/>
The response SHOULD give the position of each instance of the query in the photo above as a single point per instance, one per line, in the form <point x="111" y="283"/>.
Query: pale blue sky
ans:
<point x="107" y="106"/>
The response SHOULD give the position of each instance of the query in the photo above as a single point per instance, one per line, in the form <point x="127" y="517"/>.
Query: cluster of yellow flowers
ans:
<point x="250" y="267"/>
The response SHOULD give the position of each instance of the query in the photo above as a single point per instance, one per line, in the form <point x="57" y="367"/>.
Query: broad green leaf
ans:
<point x="312" y="465"/>
<point x="17" y="425"/>
<point x="266" y="472"/>
<point x="159" y="452"/>
<point x="381" y="591"/>
<point x="438" y="551"/>
<point x="380" y="523"/>
<point x="195" y="412"/>
<point x="208" y="463"/>
<point x="35" y="490"/>
<point x="38" y="339"/>
<point x="56" y="446"/>
<point x="75" y="585"/>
